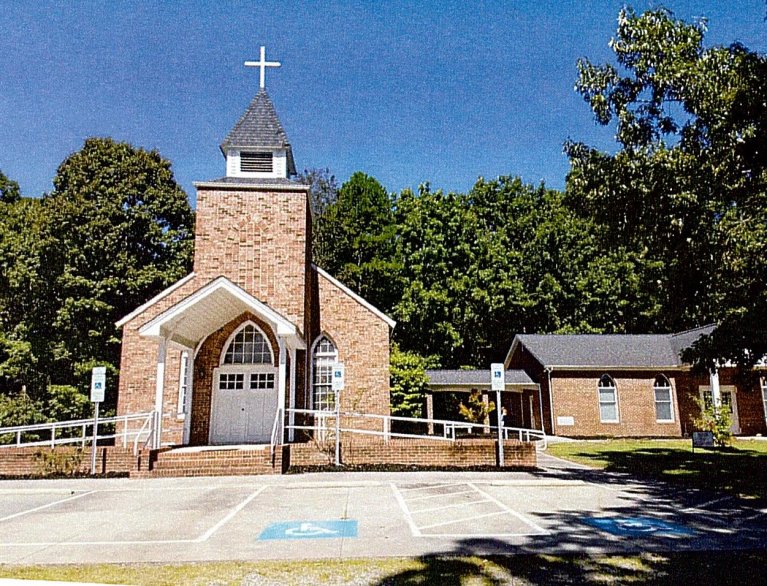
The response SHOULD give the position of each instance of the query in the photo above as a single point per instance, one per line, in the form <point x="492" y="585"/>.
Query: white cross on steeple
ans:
<point x="262" y="64"/>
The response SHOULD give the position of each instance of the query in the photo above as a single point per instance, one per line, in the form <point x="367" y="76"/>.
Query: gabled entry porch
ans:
<point x="238" y="365"/>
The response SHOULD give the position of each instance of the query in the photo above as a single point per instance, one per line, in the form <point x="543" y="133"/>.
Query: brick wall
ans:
<point x="138" y="366"/>
<point x="257" y="239"/>
<point x="28" y="461"/>
<point x="748" y="399"/>
<point x="362" y="341"/>
<point x="417" y="452"/>
<point x="575" y="395"/>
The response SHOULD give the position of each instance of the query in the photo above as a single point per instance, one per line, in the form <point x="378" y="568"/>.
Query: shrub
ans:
<point x="474" y="410"/>
<point x="716" y="419"/>
<point x="59" y="462"/>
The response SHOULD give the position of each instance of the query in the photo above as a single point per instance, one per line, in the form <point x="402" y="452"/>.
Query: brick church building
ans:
<point x="255" y="328"/>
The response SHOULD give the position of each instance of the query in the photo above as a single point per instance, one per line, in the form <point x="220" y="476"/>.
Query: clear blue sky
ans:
<point x="404" y="91"/>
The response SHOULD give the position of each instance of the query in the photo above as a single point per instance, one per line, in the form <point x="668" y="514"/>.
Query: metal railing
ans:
<point x="323" y="424"/>
<point x="83" y="432"/>
<point x="278" y="430"/>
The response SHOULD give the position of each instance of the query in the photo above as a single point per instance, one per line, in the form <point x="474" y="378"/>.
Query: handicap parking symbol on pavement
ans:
<point x="638" y="526"/>
<point x="310" y="530"/>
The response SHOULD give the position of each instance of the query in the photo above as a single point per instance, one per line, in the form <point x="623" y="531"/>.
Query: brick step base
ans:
<point x="212" y="462"/>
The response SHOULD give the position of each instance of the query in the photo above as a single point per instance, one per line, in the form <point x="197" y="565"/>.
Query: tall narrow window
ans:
<point x="764" y="397"/>
<point x="249" y="346"/>
<point x="664" y="407"/>
<point x="325" y="354"/>
<point x="608" y="400"/>
<point x="183" y="382"/>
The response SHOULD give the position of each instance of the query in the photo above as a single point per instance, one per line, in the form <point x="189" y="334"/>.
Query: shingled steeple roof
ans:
<point x="259" y="127"/>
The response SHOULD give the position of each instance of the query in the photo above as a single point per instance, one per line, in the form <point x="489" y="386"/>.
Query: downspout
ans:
<point x="551" y="399"/>
<point x="540" y="404"/>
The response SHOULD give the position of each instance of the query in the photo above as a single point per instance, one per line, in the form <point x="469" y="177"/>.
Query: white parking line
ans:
<point x="209" y="533"/>
<point x="538" y="528"/>
<point x="432" y="509"/>
<point x="204" y="537"/>
<point x="462" y="519"/>
<point x="41" y="507"/>
<point x="697" y="508"/>
<point x="430" y="487"/>
<point x="438" y="495"/>
<point x="405" y="511"/>
<point x="418" y="530"/>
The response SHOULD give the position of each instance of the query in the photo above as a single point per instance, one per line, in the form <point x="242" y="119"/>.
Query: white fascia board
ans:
<point x="446" y="387"/>
<point x="300" y="187"/>
<point x="141" y="308"/>
<point x="374" y="310"/>
<point x="283" y="327"/>
<point x="514" y="344"/>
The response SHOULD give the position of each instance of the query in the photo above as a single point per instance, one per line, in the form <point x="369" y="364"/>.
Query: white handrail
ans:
<point x="275" y="433"/>
<point x="322" y="419"/>
<point x="83" y="438"/>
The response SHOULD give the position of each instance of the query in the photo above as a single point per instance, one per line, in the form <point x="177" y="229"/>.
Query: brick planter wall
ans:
<point x="29" y="461"/>
<point x="416" y="452"/>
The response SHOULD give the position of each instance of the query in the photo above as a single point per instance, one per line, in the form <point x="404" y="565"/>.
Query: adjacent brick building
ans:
<point x="631" y="385"/>
<point x="255" y="328"/>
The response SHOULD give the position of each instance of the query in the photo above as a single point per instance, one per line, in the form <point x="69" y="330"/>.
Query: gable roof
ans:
<point x="358" y="298"/>
<point x="258" y="127"/>
<point x="193" y="318"/>
<point x="609" y="350"/>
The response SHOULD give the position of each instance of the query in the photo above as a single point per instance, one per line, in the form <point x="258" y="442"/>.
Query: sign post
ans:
<point x="498" y="384"/>
<point x="98" y="386"/>
<point x="337" y="381"/>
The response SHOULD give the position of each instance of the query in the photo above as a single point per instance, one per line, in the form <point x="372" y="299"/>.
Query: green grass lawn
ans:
<point x="671" y="568"/>
<point x="740" y="469"/>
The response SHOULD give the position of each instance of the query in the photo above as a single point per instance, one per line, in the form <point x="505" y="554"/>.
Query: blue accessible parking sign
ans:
<point x="639" y="526"/>
<point x="309" y="530"/>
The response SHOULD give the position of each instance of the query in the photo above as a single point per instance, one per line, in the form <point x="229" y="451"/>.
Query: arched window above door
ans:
<point x="248" y="346"/>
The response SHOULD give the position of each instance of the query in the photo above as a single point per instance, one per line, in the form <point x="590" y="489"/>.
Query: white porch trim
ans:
<point x="210" y="307"/>
<point x="164" y="293"/>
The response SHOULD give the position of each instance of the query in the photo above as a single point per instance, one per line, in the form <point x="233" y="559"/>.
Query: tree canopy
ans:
<point x="116" y="230"/>
<point x="686" y="189"/>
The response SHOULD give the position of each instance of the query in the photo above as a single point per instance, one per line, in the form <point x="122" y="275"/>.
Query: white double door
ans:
<point x="244" y="405"/>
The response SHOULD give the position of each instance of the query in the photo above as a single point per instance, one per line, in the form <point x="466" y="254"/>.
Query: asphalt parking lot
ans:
<point x="561" y="509"/>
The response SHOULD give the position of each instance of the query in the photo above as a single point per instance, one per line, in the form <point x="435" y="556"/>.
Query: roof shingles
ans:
<point x="258" y="126"/>
<point x="613" y="350"/>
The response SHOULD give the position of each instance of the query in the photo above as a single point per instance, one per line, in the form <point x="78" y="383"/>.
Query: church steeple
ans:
<point x="257" y="146"/>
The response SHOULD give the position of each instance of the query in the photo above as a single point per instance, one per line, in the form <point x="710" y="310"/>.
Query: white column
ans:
<point x="281" y="382"/>
<point x="716" y="396"/>
<point x="159" y="388"/>
<point x="292" y="416"/>
<point x="188" y="398"/>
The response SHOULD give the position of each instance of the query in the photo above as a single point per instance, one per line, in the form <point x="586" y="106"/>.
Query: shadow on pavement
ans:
<point x="702" y="536"/>
<point x="670" y="568"/>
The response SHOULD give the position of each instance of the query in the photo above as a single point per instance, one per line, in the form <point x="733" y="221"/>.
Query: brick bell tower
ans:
<point x="253" y="224"/>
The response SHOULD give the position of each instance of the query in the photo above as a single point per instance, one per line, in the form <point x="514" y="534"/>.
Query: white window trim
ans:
<point x="614" y="388"/>
<point x="312" y="363"/>
<point x="184" y="372"/>
<point x="241" y="327"/>
<point x="670" y="399"/>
